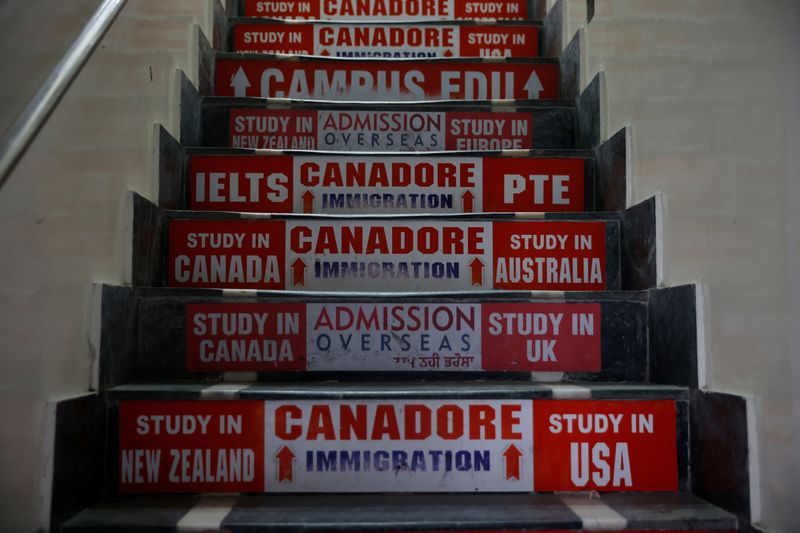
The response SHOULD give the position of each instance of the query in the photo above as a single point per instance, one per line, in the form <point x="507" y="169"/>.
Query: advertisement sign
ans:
<point x="605" y="445"/>
<point x="385" y="184"/>
<point x="389" y="131"/>
<point x="399" y="446"/>
<point x="425" y="337"/>
<point x="387" y="40"/>
<point x="395" y="255"/>
<point x="372" y="445"/>
<point x="382" y="80"/>
<point x="185" y="446"/>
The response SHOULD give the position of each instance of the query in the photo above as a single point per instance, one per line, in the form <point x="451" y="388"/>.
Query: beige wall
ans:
<point x="60" y="213"/>
<point x="709" y="88"/>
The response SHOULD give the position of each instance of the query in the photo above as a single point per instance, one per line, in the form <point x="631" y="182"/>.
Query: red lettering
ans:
<point x="301" y="239"/>
<point x="509" y="420"/>
<point x="449" y="422"/>
<point x="402" y="240"/>
<point x="474" y="240"/>
<point x="320" y="423"/>
<point x="481" y="422"/>
<point x="385" y="423"/>
<point x="326" y="241"/>
<point x="353" y="422"/>
<point x="413" y="431"/>
<point x="282" y="429"/>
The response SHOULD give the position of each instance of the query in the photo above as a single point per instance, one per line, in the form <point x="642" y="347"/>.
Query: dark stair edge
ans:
<point x="407" y="512"/>
<point x="432" y="389"/>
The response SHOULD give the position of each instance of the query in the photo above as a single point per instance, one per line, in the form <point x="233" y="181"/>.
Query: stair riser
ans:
<point x="397" y="254"/>
<point x="402" y="184"/>
<point x="401" y="446"/>
<point x="391" y="129"/>
<point x="175" y="337"/>
<point x="386" y="80"/>
<point x="401" y="40"/>
<point x="383" y="10"/>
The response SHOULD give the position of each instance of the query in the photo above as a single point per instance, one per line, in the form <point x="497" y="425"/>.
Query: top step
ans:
<point x="385" y="10"/>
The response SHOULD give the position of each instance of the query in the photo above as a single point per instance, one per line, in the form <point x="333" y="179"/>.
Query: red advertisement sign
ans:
<point x="358" y="337"/>
<point x="605" y="445"/>
<point x="387" y="9"/>
<point x="519" y="259"/>
<point x="526" y="337"/>
<point x="245" y="337"/>
<point x="396" y="255"/>
<point x="189" y="446"/>
<point x="387" y="40"/>
<point x="386" y="184"/>
<point x="378" y="80"/>
<point x="457" y="445"/>
<point x="388" y="131"/>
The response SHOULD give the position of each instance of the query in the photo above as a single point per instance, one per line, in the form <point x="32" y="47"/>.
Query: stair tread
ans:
<point x="250" y="101"/>
<point x="534" y="152"/>
<point x="376" y="512"/>
<point x="387" y="60"/>
<point x="190" y="292"/>
<point x="400" y="390"/>
<point x="531" y="216"/>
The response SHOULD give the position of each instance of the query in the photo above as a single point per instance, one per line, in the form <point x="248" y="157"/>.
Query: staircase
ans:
<point x="385" y="289"/>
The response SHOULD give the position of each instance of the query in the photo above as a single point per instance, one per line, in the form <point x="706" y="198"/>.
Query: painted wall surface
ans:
<point x="60" y="214"/>
<point x="710" y="90"/>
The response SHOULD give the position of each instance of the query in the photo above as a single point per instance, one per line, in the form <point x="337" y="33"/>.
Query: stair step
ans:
<point x="405" y="437"/>
<point x="411" y="126"/>
<point x="379" y="183"/>
<point x="355" y="79"/>
<point x="385" y="10"/>
<point x="393" y="253"/>
<point x="175" y="339"/>
<point x="382" y="40"/>
<point x="405" y="513"/>
<point x="433" y="389"/>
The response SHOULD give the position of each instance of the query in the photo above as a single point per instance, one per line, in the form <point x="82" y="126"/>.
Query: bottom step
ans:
<point x="407" y="512"/>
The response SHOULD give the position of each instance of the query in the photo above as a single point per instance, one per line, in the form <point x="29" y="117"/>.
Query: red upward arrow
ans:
<point x="513" y="457"/>
<point x="285" y="459"/>
<point x="469" y="200"/>
<point x="324" y="53"/>
<point x="476" y="269"/>
<point x="448" y="53"/>
<point x="308" y="202"/>
<point x="299" y="272"/>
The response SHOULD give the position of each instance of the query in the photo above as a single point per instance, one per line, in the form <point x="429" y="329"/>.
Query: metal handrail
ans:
<point x="24" y="130"/>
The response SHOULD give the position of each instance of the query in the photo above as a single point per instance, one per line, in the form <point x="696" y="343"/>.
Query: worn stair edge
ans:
<point x="499" y="296"/>
<point x="328" y="390"/>
<point x="357" y="60"/>
<point x="534" y="153"/>
<point x="401" y="513"/>
<point x="405" y="105"/>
